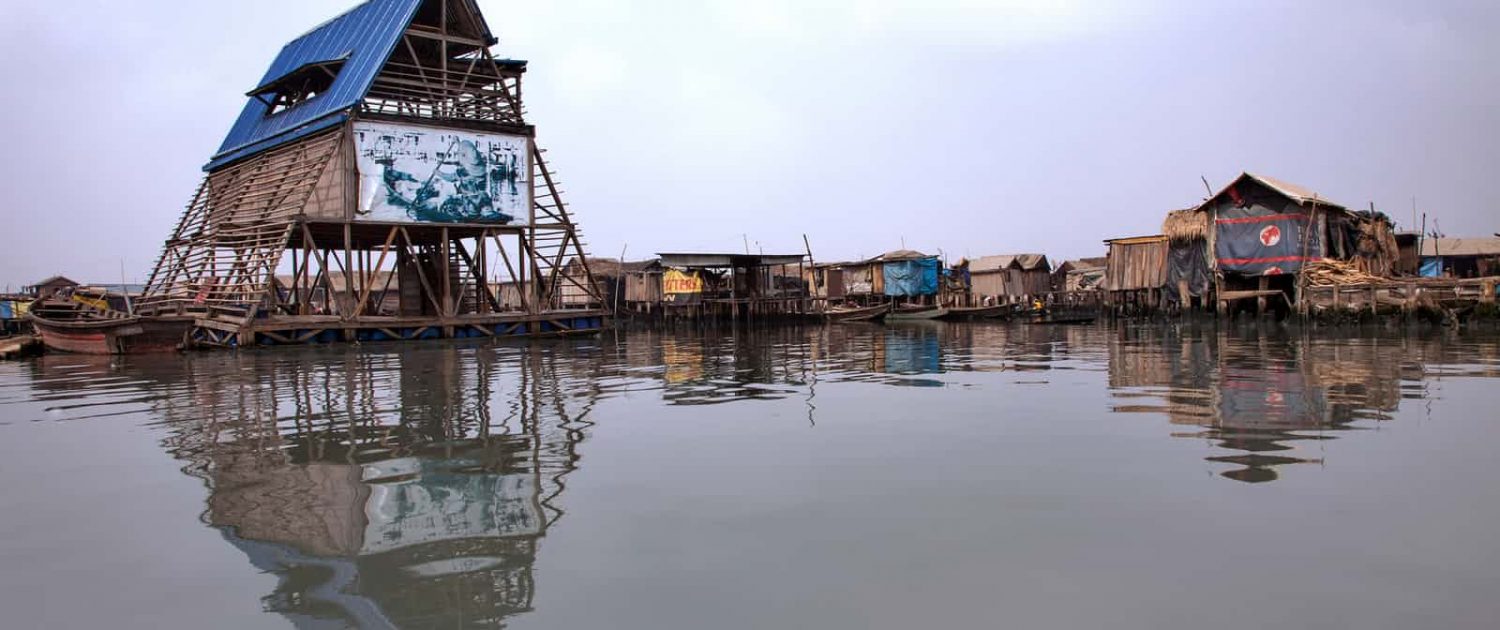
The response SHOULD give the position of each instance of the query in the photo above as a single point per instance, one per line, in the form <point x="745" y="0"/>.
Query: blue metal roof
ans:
<point x="365" y="35"/>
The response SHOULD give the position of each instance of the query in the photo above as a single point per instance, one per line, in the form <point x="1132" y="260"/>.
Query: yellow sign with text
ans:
<point x="675" y="282"/>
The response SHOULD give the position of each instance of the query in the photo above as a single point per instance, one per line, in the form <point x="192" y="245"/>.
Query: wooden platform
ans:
<point x="319" y="329"/>
<point x="19" y="346"/>
<point x="1406" y="294"/>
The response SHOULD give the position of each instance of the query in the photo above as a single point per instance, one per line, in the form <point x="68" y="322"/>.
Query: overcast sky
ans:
<point x="956" y="126"/>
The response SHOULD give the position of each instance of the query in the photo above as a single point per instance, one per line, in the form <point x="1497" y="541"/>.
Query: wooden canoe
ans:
<point x="1061" y="320"/>
<point x="978" y="312"/>
<point x="900" y="315"/>
<point x="861" y="314"/>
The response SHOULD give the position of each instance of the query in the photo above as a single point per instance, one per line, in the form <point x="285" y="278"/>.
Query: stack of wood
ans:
<point x="1331" y="273"/>
<point x="1376" y="248"/>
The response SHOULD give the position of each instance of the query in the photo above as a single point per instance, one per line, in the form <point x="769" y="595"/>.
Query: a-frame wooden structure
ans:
<point x="274" y="248"/>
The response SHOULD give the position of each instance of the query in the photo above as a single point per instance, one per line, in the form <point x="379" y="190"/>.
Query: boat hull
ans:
<point x="1064" y="321"/>
<point x="857" y="314"/>
<point x="111" y="336"/>
<point x="980" y="312"/>
<point x="914" y="316"/>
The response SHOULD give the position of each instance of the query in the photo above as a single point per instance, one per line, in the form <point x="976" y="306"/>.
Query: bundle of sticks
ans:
<point x="1328" y="273"/>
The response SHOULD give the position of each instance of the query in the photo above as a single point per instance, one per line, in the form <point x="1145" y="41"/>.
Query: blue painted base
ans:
<point x="552" y="326"/>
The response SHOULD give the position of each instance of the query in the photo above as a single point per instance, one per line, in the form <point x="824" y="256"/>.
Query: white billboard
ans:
<point x="413" y="173"/>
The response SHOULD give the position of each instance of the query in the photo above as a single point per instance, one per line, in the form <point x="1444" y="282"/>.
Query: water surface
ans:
<point x="854" y="476"/>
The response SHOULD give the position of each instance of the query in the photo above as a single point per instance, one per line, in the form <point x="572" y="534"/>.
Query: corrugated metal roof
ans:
<point x="1301" y="194"/>
<point x="1296" y="193"/>
<point x="1026" y="262"/>
<point x="1082" y="264"/>
<point x="680" y="259"/>
<point x="1137" y="240"/>
<point x="1483" y="246"/>
<point x="365" y="34"/>
<point x="896" y="255"/>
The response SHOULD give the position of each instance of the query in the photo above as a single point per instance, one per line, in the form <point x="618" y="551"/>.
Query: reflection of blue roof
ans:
<point x="365" y="34"/>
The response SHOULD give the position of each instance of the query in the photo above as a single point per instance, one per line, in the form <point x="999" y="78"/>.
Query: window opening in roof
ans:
<point x="299" y="86"/>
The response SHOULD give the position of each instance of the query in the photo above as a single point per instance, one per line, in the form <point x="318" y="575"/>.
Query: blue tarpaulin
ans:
<point x="905" y="278"/>
<point x="1432" y="268"/>
<point x="7" y="311"/>
<point x="908" y="353"/>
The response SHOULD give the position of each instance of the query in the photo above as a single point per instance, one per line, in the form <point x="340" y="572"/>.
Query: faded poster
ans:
<point x="412" y="173"/>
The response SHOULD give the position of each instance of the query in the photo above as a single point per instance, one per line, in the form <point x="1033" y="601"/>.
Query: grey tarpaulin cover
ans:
<point x="1188" y="262"/>
<point x="1259" y="232"/>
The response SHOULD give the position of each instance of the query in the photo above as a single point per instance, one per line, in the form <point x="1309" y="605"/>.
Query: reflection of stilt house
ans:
<point x="385" y="141"/>
<point x="409" y="488"/>
<point x="1260" y="401"/>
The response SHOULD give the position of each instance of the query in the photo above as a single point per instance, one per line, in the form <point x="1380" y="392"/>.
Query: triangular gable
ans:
<point x="1024" y="262"/>
<point x="1294" y="192"/>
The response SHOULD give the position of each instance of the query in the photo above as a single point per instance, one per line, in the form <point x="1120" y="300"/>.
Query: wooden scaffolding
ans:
<point x="273" y="248"/>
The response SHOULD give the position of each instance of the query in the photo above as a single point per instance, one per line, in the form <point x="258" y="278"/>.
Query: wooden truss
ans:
<point x="261" y="216"/>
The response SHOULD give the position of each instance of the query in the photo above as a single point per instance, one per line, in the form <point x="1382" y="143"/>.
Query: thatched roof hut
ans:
<point x="1185" y="226"/>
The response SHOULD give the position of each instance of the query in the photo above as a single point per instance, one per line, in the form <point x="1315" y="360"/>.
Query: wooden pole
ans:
<point x="447" y="254"/>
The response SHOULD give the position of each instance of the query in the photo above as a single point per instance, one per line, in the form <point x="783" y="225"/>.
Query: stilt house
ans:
<point x="1264" y="231"/>
<point x="1010" y="277"/>
<point x="1136" y="270"/>
<point x="1460" y="257"/>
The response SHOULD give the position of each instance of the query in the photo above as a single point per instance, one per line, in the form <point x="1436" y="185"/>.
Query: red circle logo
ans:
<point x="1270" y="235"/>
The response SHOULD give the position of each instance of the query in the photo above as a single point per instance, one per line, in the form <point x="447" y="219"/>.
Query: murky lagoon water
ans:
<point x="856" y="476"/>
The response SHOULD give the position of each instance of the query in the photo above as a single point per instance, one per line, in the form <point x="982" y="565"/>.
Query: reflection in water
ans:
<point x="404" y="489"/>
<point x="1268" y="396"/>
<point x="411" y="486"/>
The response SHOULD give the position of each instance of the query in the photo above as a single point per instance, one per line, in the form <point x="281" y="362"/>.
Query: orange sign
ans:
<point x="675" y="282"/>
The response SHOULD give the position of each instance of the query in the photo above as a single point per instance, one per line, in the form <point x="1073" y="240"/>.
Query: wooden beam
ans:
<point x="421" y="275"/>
<point x="364" y="295"/>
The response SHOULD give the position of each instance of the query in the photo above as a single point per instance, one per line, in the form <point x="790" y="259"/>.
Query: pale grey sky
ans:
<point x="960" y="126"/>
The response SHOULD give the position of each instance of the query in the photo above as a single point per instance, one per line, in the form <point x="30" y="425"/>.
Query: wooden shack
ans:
<point x="731" y="286"/>
<point x="1083" y="274"/>
<point x="826" y="280"/>
<point x="1460" y="257"/>
<point x="1409" y="256"/>
<point x="1009" y="278"/>
<point x="1136" y="271"/>
<point x="388" y="140"/>
<point x="643" y="284"/>
<point x="51" y="286"/>
<point x="864" y="281"/>
<point x="901" y="274"/>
